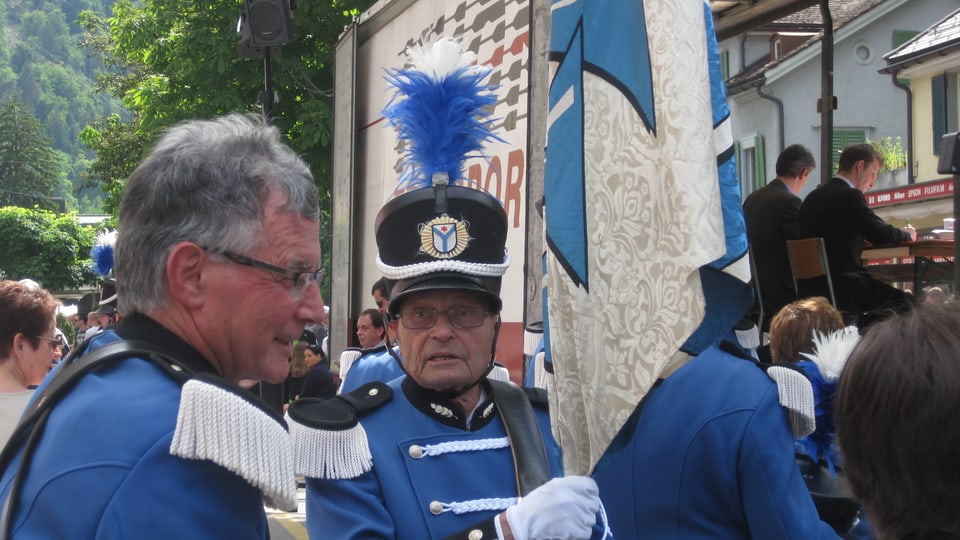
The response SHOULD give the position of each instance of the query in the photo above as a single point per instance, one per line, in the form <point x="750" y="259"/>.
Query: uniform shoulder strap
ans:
<point x="73" y="369"/>
<point x="526" y="441"/>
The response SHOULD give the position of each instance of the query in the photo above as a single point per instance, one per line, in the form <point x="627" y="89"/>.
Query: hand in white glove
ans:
<point x="563" y="508"/>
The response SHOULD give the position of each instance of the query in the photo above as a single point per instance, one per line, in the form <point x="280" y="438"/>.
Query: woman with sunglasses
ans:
<point x="28" y="342"/>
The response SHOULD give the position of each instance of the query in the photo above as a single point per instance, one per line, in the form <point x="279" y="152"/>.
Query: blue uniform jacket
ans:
<point x="711" y="457"/>
<point x="103" y="468"/>
<point x="410" y="493"/>
<point x="373" y="365"/>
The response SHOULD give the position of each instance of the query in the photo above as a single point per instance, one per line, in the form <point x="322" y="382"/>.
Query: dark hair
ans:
<point x="383" y="286"/>
<point x="375" y="317"/>
<point x="852" y="153"/>
<point x="24" y="310"/>
<point x="897" y="401"/>
<point x="792" y="328"/>
<point x="794" y="160"/>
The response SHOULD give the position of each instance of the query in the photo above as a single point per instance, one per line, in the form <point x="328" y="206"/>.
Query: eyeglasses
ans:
<point x="54" y="342"/>
<point x="421" y="318"/>
<point x="299" y="278"/>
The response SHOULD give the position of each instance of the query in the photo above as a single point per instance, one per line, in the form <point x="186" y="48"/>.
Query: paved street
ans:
<point x="289" y="525"/>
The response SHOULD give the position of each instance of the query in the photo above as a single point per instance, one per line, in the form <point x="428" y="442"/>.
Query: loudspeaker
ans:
<point x="262" y="24"/>
<point x="949" y="162"/>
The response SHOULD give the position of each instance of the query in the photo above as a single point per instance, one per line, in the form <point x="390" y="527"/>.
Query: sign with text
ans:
<point x="915" y="192"/>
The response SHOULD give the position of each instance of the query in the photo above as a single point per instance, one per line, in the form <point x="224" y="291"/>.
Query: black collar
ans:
<point x="142" y="328"/>
<point x="440" y="407"/>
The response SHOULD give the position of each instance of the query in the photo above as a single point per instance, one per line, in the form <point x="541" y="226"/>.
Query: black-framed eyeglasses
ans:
<point x="421" y="318"/>
<point x="54" y="342"/>
<point x="300" y="279"/>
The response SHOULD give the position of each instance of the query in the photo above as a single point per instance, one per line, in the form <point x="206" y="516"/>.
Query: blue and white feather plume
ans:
<point x="102" y="252"/>
<point x="823" y="367"/>
<point x="440" y="108"/>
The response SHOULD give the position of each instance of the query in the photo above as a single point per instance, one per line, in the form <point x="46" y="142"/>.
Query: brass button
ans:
<point x="436" y="508"/>
<point x="475" y="534"/>
<point x="416" y="451"/>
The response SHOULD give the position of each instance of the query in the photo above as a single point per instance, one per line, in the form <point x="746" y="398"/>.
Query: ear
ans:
<point x="185" y="266"/>
<point x="19" y="340"/>
<point x="392" y="327"/>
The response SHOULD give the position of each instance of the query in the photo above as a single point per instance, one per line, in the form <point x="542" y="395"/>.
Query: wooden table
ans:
<point x="925" y="259"/>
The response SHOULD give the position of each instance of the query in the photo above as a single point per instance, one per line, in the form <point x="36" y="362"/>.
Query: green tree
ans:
<point x="169" y="60"/>
<point x="30" y="170"/>
<point x="51" y="249"/>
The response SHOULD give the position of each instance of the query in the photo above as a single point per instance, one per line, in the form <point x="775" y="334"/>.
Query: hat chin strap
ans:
<point x="449" y="395"/>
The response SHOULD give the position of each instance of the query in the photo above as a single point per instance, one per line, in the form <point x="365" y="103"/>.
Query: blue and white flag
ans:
<point x="646" y="246"/>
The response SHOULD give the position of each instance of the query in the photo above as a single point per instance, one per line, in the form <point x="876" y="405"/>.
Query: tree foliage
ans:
<point x="170" y="60"/>
<point x="49" y="248"/>
<point x="30" y="170"/>
<point x="41" y="63"/>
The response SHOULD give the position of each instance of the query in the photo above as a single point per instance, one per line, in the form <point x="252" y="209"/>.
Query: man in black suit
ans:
<point x="838" y="212"/>
<point x="771" y="214"/>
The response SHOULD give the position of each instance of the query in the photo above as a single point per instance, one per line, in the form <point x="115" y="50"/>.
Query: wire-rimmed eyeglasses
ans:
<point x="300" y="279"/>
<point x="421" y="318"/>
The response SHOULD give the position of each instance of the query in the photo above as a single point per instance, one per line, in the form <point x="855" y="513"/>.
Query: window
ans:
<point x="750" y="164"/>
<point x="862" y="53"/>
<point x="899" y="38"/>
<point x="945" y="107"/>
<point x="842" y="138"/>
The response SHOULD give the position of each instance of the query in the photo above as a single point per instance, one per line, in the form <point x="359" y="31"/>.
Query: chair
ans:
<point x="808" y="261"/>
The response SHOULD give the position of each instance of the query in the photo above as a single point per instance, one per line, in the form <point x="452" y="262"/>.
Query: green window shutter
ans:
<point x="940" y="119"/>
<point x="725" y="64"/>
<point x="899" y="38"/>
<point x="842" y="138"/>
<point x="902" y="36"/>
<point x="760" y="170"/>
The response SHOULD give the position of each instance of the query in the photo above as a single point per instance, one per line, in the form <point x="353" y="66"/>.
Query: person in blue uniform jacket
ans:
<point x="377" y="364"/>
<point x="709" y="455"/>
<point x="216" y="265"/>
<point x="436" y="461"/>
<point x="443" y="451"/>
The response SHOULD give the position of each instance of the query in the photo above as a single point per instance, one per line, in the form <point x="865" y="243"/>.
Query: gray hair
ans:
<point x="205" y="181"/>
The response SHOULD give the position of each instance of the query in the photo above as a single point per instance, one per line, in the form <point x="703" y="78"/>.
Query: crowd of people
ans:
<point x="149" y="428"/>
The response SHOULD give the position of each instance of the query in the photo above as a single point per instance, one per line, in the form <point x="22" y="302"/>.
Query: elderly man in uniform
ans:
<point x="442" y="452"/>
<point x="146" y="433"/>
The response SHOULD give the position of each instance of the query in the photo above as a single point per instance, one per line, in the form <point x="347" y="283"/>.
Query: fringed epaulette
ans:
<point x="219" y="422"/>
<point x="328" y="440"/>
<point x="499" y="372"/>
<point x="796" y="396"/>
<point x="538" y="397"/>
<point x="347" y="358"/>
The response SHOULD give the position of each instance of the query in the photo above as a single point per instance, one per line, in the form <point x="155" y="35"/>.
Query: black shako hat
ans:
<point x="85" y="305"/>
<point x="440" y="231"/>
<point x="442" y="237"/>
<point x="108" y="297"/>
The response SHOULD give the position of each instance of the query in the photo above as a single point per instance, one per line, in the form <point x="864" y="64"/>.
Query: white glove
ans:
<point x="563" y="508"/>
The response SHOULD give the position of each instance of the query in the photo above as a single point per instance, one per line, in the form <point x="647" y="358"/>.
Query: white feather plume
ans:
<point x="441" y="58"/>
<point x="830" y="351"/>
